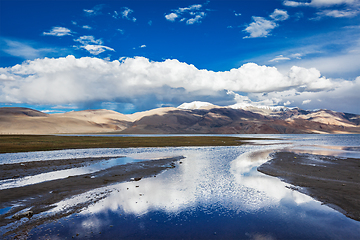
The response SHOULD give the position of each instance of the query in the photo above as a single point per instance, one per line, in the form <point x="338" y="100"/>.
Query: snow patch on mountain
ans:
<point x="196" y="105"/>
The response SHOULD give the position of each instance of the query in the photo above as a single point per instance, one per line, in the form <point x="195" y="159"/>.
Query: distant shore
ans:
<point x="331" y="180"/>
<point x="29" y="143"/>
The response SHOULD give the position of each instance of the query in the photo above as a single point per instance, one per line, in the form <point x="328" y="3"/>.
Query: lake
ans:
<point x="214" y="193"/>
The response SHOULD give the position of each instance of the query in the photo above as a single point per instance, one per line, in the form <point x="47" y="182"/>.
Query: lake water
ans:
<point x="216" y="193"/>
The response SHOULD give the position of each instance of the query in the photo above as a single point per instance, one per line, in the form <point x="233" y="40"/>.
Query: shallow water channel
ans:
<point x="215" y="193"/>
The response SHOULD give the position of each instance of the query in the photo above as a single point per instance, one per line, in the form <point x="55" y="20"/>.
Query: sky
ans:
<point x="130" y="56"/>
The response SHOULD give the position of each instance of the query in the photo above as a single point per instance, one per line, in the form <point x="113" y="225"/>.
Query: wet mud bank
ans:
<point x="17" y="170"/>
<point x="32" y="200"/>
<point x="331" y="180"/>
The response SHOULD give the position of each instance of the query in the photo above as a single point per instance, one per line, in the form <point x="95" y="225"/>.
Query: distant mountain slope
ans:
<point x="28" y="121"/>
<point x="16" y="111"/>
<point x="190" y="118"/>
<point x="231" y="121"/>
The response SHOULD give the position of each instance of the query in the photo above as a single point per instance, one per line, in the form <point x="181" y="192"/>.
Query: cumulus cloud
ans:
<point x="4" y="77"/>
<point x="171" y="17"/>
<point x="261" y="27"/>
<point x="340" y="98"/>
<point x="147" y="84"/>
<point x="190" y="15"/>
<point x="87" y="27"/>
<point x="279" y="15"/>
<point x="58" y="32"/>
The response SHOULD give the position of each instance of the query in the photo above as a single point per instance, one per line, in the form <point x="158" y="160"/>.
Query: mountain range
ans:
<point x="188" y="118"/>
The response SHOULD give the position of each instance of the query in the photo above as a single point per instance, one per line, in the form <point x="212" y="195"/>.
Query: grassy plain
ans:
<point x="28" y="143"/>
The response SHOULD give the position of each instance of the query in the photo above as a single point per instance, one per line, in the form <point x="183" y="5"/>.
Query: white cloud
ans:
<point x="58" y="32"/>
<point x="92" y="45"/>
<point x="295" y="3"/>
<point x="96" y="10"/>
<point x="89" y="11"/>
<point x="88" y="39"/>
<point x="306" y="101"/>
<point x="190" y="15"/>
<point x="320" y="3"/>
<point x="196" y="19"/>
<point x="171" y="17"/>
<point x="190" y="8"/>
<point x="342" y="97"/>
<point x="87" y="27"/>
<point x="297" y="55"/>
<point x="96" y="49"/>
<point x="330" y="8"/>
<point x="260" y="27"/>
<point x="279" y="15"/>
<point x="126" y="12"/>
<point x="338" y="13"/>
<point x="142" y="82"/>
<point x="4" y="77"/>
<point x="279" y="58"/>
<point x="143" y="46"/>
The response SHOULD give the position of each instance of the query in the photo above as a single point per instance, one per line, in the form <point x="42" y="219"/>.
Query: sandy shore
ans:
<point x="41" y="197"/>
<point x="331" y="180"/>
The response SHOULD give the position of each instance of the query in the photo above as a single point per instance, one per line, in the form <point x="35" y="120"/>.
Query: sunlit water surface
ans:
<point x="216" y="193"/>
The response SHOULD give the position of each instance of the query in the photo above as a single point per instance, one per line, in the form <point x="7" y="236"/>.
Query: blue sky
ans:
<point x="137" y="55"/>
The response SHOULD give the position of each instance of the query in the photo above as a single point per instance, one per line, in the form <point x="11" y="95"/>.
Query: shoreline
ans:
<point x="30" y="143"/>
<point x="23" y="169"/>
<point x="331" y="180"/>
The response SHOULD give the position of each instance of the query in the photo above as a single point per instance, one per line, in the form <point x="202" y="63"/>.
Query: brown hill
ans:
<point x="28" y="121"/>
<point x="217" y="120"/>
<point x="238" y="121"/>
